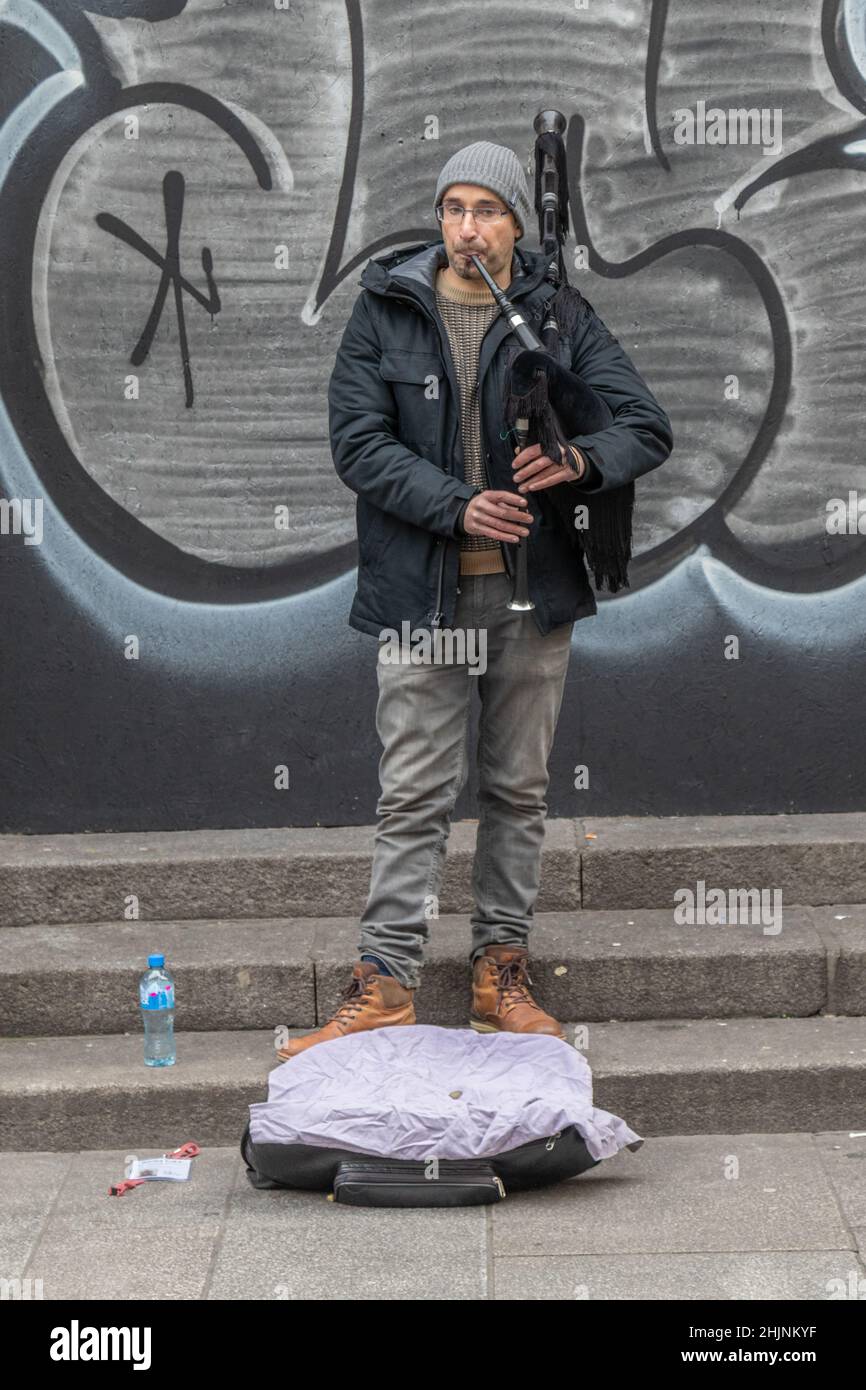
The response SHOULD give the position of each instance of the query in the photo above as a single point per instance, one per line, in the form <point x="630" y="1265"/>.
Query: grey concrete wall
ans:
<point x="190" y="192"/>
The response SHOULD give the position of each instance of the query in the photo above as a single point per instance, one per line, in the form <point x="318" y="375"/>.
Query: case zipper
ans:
<point x="388" y="1174"/>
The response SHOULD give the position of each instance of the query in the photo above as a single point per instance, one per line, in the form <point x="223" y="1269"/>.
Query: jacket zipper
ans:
<point x="438" y="614"/>
<point x="418" y="306"/>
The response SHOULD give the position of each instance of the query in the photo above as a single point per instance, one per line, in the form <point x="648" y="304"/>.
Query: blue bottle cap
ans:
<point x="155" y="960"/>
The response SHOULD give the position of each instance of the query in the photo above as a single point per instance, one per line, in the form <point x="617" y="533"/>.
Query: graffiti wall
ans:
<point x="190" y="191"/>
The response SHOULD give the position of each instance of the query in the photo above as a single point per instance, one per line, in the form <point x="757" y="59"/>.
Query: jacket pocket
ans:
<point x="399" y="364"/>
<point x="416" y="381"/>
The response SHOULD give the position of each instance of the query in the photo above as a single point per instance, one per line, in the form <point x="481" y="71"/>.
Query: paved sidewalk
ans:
<point x="744" y="1216"/>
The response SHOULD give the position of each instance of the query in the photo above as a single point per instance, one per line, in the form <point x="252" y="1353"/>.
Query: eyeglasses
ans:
<point x="453" y="212"/>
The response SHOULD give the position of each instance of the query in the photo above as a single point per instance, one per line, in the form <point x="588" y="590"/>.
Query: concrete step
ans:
<point x="610" y="862"/>
<point x="683" y="1076"/>
<point x="591" y="965"/>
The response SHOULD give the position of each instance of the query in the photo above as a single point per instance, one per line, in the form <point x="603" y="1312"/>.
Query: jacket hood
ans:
<point x="414" y="269"/>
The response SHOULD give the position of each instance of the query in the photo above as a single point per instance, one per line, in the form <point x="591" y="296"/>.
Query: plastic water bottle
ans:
<point x="156" y="997"/>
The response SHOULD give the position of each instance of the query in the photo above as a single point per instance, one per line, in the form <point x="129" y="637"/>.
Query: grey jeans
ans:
<point x="422" y="721"/>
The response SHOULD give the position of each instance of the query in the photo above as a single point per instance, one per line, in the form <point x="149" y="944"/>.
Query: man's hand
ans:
<point x="503" y="516"/>
<point x="533" y="469"/>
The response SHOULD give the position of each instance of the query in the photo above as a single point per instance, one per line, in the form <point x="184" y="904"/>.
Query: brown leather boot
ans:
<point x="370" y="1000"/>
<point x="501" y="1002"/>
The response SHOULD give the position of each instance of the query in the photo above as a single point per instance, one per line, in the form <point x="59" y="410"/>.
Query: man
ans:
<point x="415" y="403"/>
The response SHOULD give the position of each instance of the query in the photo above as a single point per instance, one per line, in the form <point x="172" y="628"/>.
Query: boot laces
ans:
<point x="356" y="991"/>
<point x="512" y="984"/>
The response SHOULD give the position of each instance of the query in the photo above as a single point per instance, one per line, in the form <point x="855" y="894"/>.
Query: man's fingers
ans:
<point x="505" y="502"/>
<point x="522" y="456"/>
<point x="503" y="528"/>
<point x="500" y="516"/>
<point x="530" y="471"/>
<point x="495" y="532"/>
<point x="509" y="510"/>
<point x="512" y="505"/>
<point x="501" y="505"/>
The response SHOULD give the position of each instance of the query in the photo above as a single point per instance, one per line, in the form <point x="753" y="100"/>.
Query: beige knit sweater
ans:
<point x="467" y="315"/>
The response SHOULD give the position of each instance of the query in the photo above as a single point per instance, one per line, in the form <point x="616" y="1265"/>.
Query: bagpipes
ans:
<point x="546" y="403"/>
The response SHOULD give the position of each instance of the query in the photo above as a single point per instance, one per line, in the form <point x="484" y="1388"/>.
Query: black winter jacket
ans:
<point x="393" y="400"/>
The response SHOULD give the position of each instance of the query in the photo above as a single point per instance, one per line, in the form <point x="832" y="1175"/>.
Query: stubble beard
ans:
<point x="465" y="269"/>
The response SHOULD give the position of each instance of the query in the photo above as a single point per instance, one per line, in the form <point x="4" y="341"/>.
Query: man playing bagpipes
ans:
<point x="468" y="436"/>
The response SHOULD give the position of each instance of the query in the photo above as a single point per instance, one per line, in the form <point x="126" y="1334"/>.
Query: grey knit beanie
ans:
<point x="490" y="166"/>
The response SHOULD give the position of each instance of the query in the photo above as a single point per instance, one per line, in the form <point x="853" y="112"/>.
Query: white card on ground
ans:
<point x="173" y="1169"/>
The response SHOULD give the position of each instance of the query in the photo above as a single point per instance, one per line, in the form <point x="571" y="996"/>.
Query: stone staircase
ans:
<point x="688" y="1028"/>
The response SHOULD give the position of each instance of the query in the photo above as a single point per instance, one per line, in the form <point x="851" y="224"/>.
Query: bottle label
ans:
<point x="160" y="999"/>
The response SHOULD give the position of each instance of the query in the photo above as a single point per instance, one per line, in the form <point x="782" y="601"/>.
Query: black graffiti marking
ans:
<point x="711" y="526"/>
<point x="173" y="189"/>
<point x="114" y="533"/>
<point x="658" y="20"/>
<point x="841" y="53"/>
<point x="332" y="273"/>
<point x="830" y="152"/>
